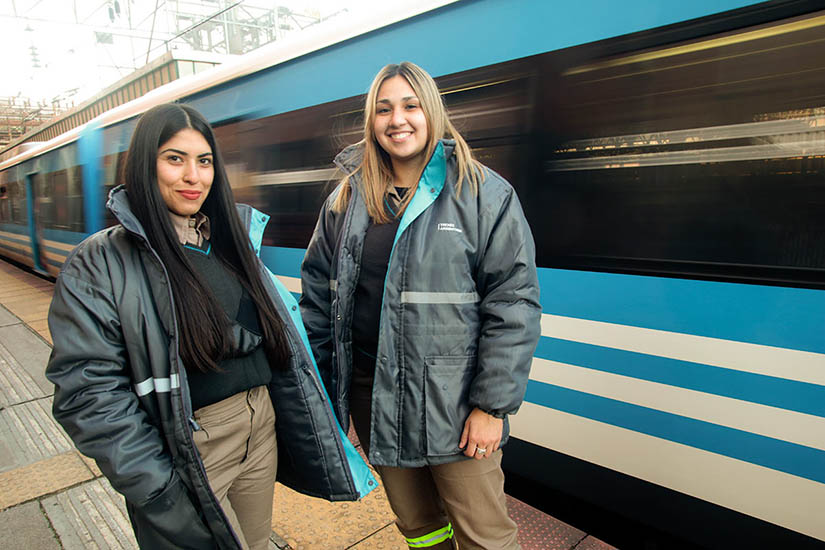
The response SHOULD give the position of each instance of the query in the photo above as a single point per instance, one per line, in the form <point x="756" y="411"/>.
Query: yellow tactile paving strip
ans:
<point x="27" y="296"/>
<point x="91" y="465"/>
<point x="308" y="523"/>
<point x="42" y="478"/>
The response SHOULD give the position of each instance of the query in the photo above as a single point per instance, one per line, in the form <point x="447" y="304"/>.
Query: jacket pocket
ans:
<point x="446" y="390"/>
<point x="170" y="521"/>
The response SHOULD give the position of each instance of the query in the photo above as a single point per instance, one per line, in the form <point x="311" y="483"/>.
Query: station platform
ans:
<point x="52" y="497"/>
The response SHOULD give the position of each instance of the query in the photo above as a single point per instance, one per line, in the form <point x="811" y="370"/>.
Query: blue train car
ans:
<point x="670" y="158"/>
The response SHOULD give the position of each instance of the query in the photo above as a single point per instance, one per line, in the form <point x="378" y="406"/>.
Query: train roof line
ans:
<point x="278" y="52"/>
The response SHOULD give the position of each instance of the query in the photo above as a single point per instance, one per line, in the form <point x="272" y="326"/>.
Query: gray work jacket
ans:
<point x="122" y="395"/>
<point x="460" y="314"/>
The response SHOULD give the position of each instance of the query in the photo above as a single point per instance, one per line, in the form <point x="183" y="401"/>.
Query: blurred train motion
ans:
<point x="671" y="162"/>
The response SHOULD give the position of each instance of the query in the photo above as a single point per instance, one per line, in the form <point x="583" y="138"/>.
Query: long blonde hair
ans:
<point x="376" y="167"/>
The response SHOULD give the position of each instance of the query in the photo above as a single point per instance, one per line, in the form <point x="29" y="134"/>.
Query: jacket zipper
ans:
<point x="338" y="320"/>
<point x="315" y="380"/>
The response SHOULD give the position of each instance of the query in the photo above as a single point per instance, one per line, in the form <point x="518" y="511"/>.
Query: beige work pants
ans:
<point x="237" y="444"/>
<point x="468" y="494"/>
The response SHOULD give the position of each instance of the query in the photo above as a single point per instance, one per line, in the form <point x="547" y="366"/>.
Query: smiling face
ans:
<point x="400" y="126"/>
<point x="185" y="171"/>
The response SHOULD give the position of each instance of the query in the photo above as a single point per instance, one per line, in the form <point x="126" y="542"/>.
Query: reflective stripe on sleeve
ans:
<point x="333" y="284"/>
<point x="431" y="539"/>
<point x="439" y="297"/>
<point x="160" y="385"/>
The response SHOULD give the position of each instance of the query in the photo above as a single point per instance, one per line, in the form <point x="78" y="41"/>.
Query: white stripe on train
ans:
<point x="782" y="424"/>
<point x="790" y="364"/>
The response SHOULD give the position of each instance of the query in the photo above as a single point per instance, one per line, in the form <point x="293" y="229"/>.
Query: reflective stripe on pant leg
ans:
<point x="431" y="539"/>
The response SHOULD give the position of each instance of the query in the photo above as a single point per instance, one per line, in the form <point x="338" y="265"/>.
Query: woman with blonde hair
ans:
<point x="420" y="298"/>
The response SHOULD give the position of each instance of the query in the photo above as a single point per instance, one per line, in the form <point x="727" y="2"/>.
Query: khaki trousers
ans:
<point x="237" y="445"/>
<point x="468" y="494"/>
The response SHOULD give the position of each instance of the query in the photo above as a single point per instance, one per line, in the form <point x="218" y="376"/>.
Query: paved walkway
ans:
<point x="52" y="497"/>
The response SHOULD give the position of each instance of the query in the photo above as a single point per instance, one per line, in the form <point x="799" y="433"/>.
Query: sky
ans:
<point x="68" y="50"/>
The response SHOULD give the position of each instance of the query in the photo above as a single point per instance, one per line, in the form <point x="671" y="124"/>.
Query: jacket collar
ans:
<point x="118" y="204"/>
<point x="349" y="159"/>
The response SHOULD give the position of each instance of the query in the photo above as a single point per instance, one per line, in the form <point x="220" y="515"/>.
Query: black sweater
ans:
<point x="238" y="372"/>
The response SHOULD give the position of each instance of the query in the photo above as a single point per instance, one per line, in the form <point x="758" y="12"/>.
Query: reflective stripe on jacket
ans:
<point x="122" y="395"/>
<point x="460" y="315"/>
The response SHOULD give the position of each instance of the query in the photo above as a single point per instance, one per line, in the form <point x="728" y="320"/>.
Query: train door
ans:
<point x="34" y="224"/>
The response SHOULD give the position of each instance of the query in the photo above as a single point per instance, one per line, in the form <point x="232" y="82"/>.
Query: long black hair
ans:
<point x="205" y="334"/>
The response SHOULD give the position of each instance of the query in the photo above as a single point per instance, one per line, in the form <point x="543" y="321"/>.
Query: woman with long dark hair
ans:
<point x="178" y="357"/>
<point x="420" y="297"/>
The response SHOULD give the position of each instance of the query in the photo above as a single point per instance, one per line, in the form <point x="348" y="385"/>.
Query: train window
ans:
<point x="59" y="199"/>
<point x="18" y="212"/>
<point x="44" y="199"/>
<point x="5" y="209"/>
<point x="700" y="160"/>
<point x="11" y="195"/>
<point x="112" y="176"/>
<point x="5" y="200"/>
<point x="75" y="219"/>
<point x="293" y="209"/>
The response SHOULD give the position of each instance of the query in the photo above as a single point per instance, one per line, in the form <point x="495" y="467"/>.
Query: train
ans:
<point x="670" y="159"/>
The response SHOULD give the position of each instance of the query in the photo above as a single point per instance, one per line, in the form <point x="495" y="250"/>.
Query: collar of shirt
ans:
<point x="395" y="195"/>
<point x="191" y="229"/>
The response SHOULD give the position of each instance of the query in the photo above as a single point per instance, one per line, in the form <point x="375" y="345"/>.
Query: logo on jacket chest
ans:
<point x="449" y="227"/>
